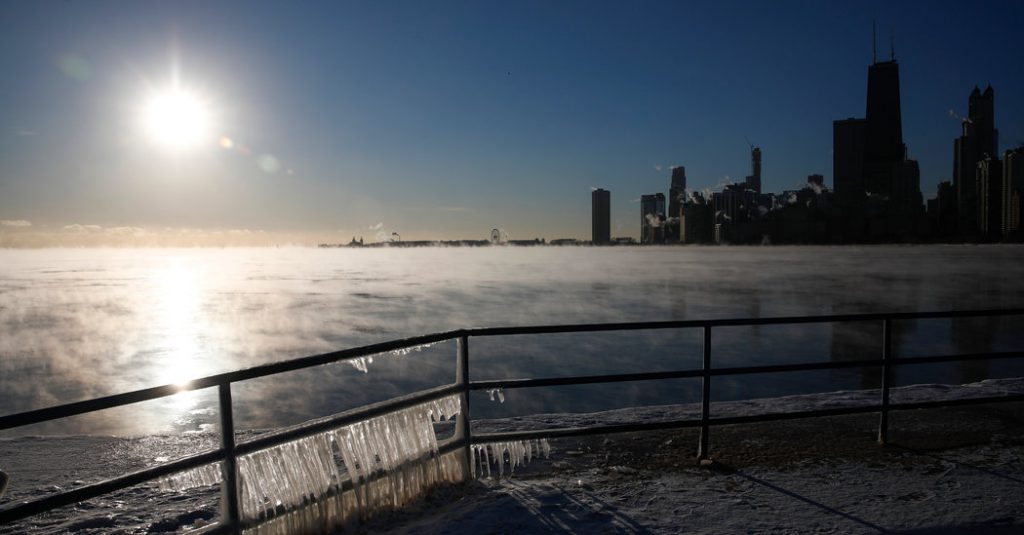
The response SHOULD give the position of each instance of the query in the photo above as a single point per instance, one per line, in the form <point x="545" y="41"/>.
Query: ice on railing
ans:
<point x="202" y="476"/>
<point x="512" y="453"/>
<point x="492" y="392"/>
<point x="298" y="486"/>
<point x="363" y="363"/>
<point x="390" y="460"/>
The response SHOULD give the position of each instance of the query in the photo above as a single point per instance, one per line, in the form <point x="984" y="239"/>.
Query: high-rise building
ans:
<point x="600" y="209"/>
<point x="893" y="208"/>
<point x="676" y="198"/>
<point x="884" y="128"/>
<point x="848" y="137"/>
<point x="696" y="224"/>
<point x="754" y="180"/>
<point x="942" y="211"/>
<point x="989" y="180"/>
<point x="1013" y="193"/>
<point x="978" y="139"/>
<point x="677" y="191"/>
<point x="652" y="218"/>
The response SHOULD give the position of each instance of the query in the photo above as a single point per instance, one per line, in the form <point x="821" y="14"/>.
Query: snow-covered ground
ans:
<point x="945" y="471"/>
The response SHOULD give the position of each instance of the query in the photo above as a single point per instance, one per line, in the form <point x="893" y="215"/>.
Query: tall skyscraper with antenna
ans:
<point x="888" y="180"/>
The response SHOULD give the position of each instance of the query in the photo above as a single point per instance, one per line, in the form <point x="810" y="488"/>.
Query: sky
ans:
<point x="443" y="120"/>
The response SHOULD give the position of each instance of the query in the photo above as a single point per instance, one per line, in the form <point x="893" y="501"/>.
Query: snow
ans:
<point x="953" y="468"/>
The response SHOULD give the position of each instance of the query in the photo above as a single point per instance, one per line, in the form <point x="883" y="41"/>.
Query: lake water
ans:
<point x="81" y="323"/>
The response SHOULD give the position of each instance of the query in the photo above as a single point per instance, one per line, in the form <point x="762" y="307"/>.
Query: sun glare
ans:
<point x="176" y="119"/>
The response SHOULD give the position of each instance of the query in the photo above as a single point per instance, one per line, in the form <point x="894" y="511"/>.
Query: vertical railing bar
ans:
<point x="705" y="397"/>
<point x="887" y="371"/>
<point x="463" y="428"/>
<point x="229" y="468"/>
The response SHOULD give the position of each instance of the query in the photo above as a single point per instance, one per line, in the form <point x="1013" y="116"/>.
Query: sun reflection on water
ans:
<point x="178" y="332"/>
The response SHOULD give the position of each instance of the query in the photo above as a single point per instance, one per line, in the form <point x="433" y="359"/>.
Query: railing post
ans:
<point x="887" y="371"/>
<point x="229" y="477"/>
<point x="462" y="427"/>
<point x="705" y="397"/>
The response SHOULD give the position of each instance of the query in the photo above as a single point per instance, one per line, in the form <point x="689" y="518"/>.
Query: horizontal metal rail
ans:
<point x="735" y="322"/>
<point x="360" y="414"/>
<point x="605" y="429"/>
<point x="255" y="372"/>
<point x="107" y="402"/>
<point x="229" y="453"/>
<point x="86" y="492"/>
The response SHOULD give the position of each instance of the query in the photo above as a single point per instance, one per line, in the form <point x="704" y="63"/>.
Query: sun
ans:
<point x="176" y="119"/>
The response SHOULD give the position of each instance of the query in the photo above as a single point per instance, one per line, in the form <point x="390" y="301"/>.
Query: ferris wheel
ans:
<point x="499" y="237"/>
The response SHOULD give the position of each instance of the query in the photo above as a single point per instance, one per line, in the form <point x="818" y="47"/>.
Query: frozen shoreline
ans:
<point x="634" y="482"/>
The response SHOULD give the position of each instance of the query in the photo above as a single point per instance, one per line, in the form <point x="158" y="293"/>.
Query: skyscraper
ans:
<point x="600" y="209"/>
<point x="1013" y="193"/>
<point x="652" y="218"/>
<point x="754" y="180"/>
<point x="978" y="139"/>
<point x="676" y="198"/>
<point x="989" y="182"/>
<point x="848" y="137"/>
<point x="677" y="191"/>
<point x="884" y="128"/>
<point x="877" y="188"/>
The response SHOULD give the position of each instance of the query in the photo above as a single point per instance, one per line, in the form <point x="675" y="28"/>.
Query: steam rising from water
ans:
<point x="86" y="323"/>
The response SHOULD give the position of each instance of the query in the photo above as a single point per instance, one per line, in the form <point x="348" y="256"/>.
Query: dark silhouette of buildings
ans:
<point x="817" y="180"/>
<point x="942" y="211"/>
<point x="652" y="218"/>
<point x="848" y="136"/>
<point x="696" y="222"/>
<point x="978" y="140"/>
<point x="754" y="180"/>
<point x="600" y="209"/>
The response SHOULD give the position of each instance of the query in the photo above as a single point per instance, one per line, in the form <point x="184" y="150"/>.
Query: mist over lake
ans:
<point x="81" y="323"/>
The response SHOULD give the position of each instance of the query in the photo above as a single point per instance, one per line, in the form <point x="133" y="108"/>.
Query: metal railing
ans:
<point x="464" y="439"/>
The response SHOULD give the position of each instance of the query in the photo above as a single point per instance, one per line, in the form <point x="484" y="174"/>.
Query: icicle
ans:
<point x="515" y="453"/>
<point x="202" y="476"/>
<point x="390" y="460"/>
<point x="363" y="363"/>
<point x="496" y="392"/>
<point x="406" y="350"/>
<point x="360" y="364"/>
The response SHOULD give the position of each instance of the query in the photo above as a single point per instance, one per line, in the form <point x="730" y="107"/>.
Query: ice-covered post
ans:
<point x="705" y="397"/>
<point x="462" y="431"/>
<point x="229" y="467"/>
<point x="887" y="371"/>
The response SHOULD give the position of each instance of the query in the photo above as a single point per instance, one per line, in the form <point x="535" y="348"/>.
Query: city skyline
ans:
<point x="446" y="122"/>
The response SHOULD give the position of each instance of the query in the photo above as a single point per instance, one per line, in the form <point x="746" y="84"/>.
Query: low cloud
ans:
<point x="658" y="167"/>
<point x="77" y="227"/>
<point x="126" y="231"/>
<point x="378" y="226"/>
<point x="15" y="223"/>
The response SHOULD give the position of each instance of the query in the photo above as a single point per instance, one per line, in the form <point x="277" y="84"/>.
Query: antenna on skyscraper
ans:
<point x="892" y="46"/>
<point x="874" y="43"/>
